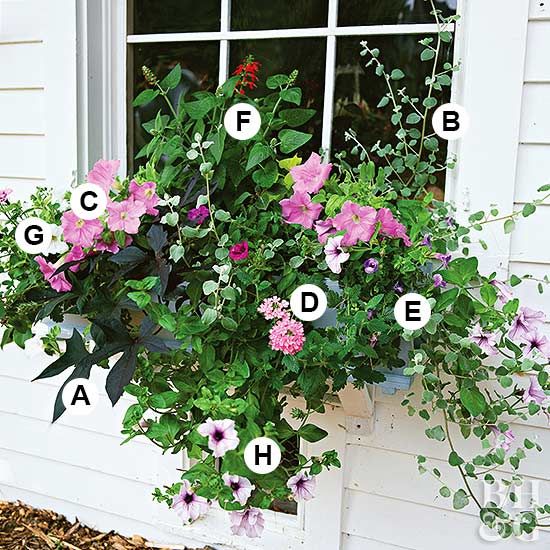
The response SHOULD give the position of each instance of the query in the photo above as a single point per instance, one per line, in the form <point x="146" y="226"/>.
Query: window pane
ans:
<point x="358" y="90"/>
<point x="283" y="14"/>
<point x="153" y="17"/>
<point x="199" y="63"/>
<point x="283" y="56"/>
<point x="390" y="12"/>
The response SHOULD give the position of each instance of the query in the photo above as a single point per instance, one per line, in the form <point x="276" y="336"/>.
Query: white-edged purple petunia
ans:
<point x="525" y="322"/>
<point x="188" y="505"/>
<point x="335" y="255"/>
<point x="536" y="342"/>
<point x="222" y="436"/>
<point x="486" y="340"/>
<point x="503" y="440"/>
<point x="302" y="486"/>
<point x="247" y="522"/>
<point x="241" y="487"/>
<point x="504" y="292"/>
<point x="534" y="393"/>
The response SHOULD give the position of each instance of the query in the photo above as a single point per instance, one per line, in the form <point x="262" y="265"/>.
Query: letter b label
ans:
<point x="450" y="121"/>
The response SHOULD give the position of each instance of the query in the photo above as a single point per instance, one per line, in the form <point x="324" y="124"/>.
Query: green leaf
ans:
<point x="266" y="176"/>
<point x="172" y="79"/>
<point x="473" y="400"/>
<point x="296" y="117"/>
<point x="528" y="210"/>
<point x="145" y="97"/>
<point x="429" y="102"/>
<point x="413" y="118"/>
<point x="75" y="351"/>
<point x="292" y="95"/>
<point x="427" y="54"/>
<point x="121" y="374"/>
<point x="397" y="74"/>
<point x="140" y="297"/>
<point x="460" y="499"/>
<point x="312" y="433"/>
<point x="509" y="226"/>
<point x="292" y="140"/>
<point x="489" y="294"/>
<point x="258" y="153"/>
<point x="164" y="400"/>
<point x="445" y="492"/>
<point x="209" y="316"/>
<point x="208" y="287"/>
<point x="198" y="109"/>
<point x="277" y="80"/>
<point x="455" y="459"/>
<point x="383" y="102"/>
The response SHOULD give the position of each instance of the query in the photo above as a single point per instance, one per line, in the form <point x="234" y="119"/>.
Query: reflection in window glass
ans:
<point x="283" y="14"/>
<point x="358" y="90"/>
<point x="199" y="63"/>
<point x="283" y="56"/>
<point x="390" y="12"/>
<point x="152" y="16"/>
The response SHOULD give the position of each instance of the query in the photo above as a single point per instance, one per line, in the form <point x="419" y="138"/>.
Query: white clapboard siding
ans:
<point x="537" y="68"/>
<point x="539" y="9"/>
<point x="533" y="171"/>
<point x="535" y="116"/>
<point x="21" y="20"/>
<point x="22" y="111"/>
<point x="23" y="156"/>
<point x="352" y="542"/>
<point x="530" y="238"/>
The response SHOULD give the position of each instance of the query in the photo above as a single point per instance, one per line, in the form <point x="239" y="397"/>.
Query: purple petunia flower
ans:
<point x="370" y="266"/>
<point x="427" y="241"/>
<point x="335" y="255"/>
<point x="487" y="341"/>
<point x="302" y="486"/>
<point x="534" y="393"/>
<point x="398" y="287"/>
<point x="198" y="215"/>
<point x="188" y="505"/>
<point x="247" y="522"/>
<point x="525" y="322"/>
<point x="439" y="281"/>
<point x="504" y="292"/>
<point x="241" y="487"/>
<point x="538" y="342"/>
<point x="503" y="440"/>
<point x="222" y="436"/>
<point x="444" y="259"/>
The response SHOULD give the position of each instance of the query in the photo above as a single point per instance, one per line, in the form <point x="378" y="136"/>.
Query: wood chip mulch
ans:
<point x="26" y="528"/>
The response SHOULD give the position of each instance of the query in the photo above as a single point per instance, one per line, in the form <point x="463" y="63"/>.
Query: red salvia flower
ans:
<point x="247" y="71"/>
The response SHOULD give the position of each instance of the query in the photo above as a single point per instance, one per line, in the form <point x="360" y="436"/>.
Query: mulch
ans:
<point x="26" y="528"/>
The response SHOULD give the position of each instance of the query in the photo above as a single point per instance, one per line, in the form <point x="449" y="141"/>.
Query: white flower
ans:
<point x="57" y="246"/>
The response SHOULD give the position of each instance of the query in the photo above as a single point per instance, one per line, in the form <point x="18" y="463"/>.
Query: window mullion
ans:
<point x="225" y="21"/>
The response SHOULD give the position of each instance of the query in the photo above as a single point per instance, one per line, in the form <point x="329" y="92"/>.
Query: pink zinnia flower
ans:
<point x="525" y="322"/>
<point x="439" y="281"/>
<point x="75" y="254"/>
<point x="538" y="342"/>
<point x="335" y="255"/>
<point x="325" y="229"/>
<point x="222" y="436"/>
<point x="390" y="227"/>
<point x="125" y="215"/>
<point x="487" y="341"/>
<point x="299" y="209"/>
<point x="302" y="486"/>
<point x="80" y="232"/>
<point x="534" y="393"/>
<point x="274" y="308"/>
<point x="145" y="193"/>
<point x="241" y="487"/>
<point x="198" y="215"/>
<point x="310" y="176"/>
<point x="247" y="522"/>
<point x="359" y="222"/>
<point x="188" y="505"/>
<point x="103" y="174"/>
<point x="504" y="292"/>
<point x="287" y="335"/>
<point x="4" y="195"/>
<point x="239" y="251"/>
<point x="503" y="440"/>
<point x="58" y="282"/>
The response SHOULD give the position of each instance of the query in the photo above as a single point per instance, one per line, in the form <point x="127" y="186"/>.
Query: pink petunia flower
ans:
<point x="75" y="254"/>
<point x="80" y="232"/>
<point x="198" y="215"/>
<point x="222" y="436"/>
<point x="525" y="322"/>
<point x="4" y="193"/>
<point x="536" y="342"/>
<point x="58" y="282"/>
<point x="439" y="281"/>
<point x="241" y="487"/>
<point x="310" y="176"/>
<point x="324" y="228"/>
<point x="247" y="522"/>
<point x="239" y="251"/>
<point x="103" y="174"/>
<point x="487" y="341"/>
<point x="504" y="292"/>
<point x="534" y="393"/>
<point x="302" y="486"/>
<point x="188" y="505"/>
<point x="335" y="255"/>
<point x="390" y="227"/>
<point x="287" y="335"/>
<point x="359" y="222"/>
<point x="503" y="440"/>
<point x="125" y="215"/>
<point x="274" y="308"/>
<point x="145" y="193"/>
<point x="111" y="246"/>
<point x="299" y="209"/>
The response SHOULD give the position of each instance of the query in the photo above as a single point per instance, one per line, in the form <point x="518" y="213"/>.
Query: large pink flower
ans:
<point x="310" y="176"/>
<point x="534" y="393"/>
<point x="390" y="227"/>
<point x="145" y="193"/>
<point x="538" y="342"/>
<point x="300" y="209"/>
<point x="287" y="335"/>
<point x="302" y="486"/>
<point x="124" y="216"/>
<point x="188" y="505"/>
<point x="75" y="254"/>
<point x="58" y="282"/>
<point x="487" y="341"/>
<point x="241" y="487"/>
<point x="222" y="436"/>
<point x="111" y="246"/>
<point x="324" y="228"/>
<point x="247" y="522"/>
<point x="359" y="222"/>
<point x="525" y="322"/>
<point x="80" y="232"/>
<point x="103" y="174"/>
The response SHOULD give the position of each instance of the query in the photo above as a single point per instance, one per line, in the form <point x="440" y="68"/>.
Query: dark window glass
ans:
<point x="152" y="16"/>
<point x="390" y="12"/>
<point x="283" y="56"/>
<point x="283" y="14"/>
<point x="199" y="62"/>
<point x="358" y="90"/>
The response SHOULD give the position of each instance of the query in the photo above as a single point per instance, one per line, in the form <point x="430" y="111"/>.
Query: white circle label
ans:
<point x="242" y="121"/>
<point x="308" y="302"/>
<point x="262" y="455"/>
<point x="450" y="121"/>
<point x="412" y="311"/>
<point x="33" y="236"/>
<point x="80" y="397"/>
<point x="88" y="201"/>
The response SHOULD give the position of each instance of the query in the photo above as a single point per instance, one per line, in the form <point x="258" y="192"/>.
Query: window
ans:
<point x="318" y="37"/>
